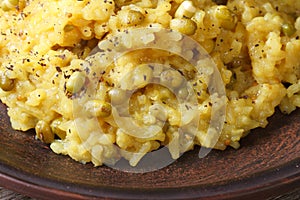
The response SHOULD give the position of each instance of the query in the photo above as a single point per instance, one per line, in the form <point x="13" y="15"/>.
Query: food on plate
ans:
<point x="53" y="78"/>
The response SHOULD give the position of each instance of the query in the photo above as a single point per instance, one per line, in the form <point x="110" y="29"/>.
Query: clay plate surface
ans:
<point x="266" y="165"/>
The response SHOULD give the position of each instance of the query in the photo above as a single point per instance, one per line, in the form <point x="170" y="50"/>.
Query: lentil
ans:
<point x="43" y="132"/>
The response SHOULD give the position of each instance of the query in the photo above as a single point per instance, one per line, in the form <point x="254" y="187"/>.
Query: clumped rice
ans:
<point x="43" y="46"/>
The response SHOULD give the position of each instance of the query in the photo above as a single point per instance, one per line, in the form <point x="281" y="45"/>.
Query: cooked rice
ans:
<point x="254" y="43"/>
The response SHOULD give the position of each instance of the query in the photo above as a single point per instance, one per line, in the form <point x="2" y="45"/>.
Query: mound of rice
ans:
<point x="43" y="46"/>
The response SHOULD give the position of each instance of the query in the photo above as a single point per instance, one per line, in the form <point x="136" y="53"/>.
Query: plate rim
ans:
<point x="284" y="179"/>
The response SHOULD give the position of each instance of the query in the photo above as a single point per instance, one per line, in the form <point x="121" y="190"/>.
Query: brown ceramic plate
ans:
<point x="267" y="164"/>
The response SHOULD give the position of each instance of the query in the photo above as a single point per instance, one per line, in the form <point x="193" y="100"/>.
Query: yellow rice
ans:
<point x="42" y="43"/>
